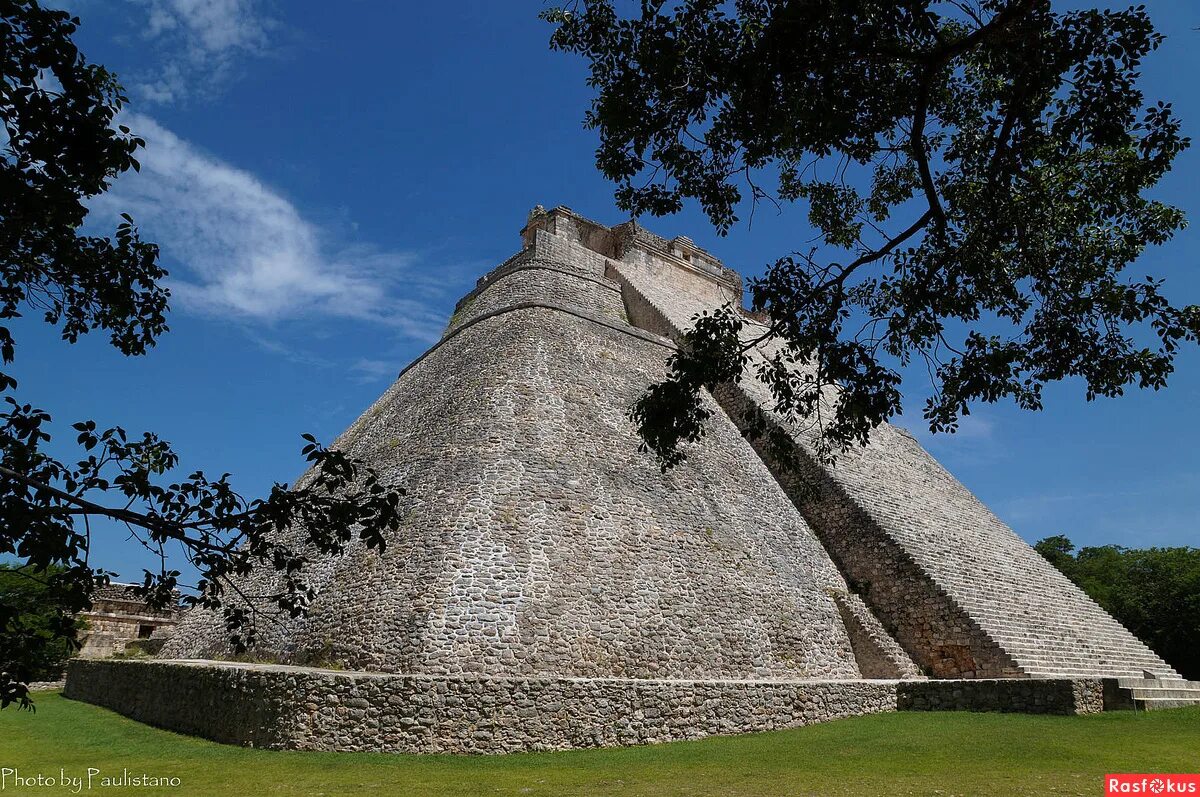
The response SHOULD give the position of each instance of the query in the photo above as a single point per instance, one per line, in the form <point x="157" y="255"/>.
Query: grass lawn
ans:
<point x="891" y="754"/>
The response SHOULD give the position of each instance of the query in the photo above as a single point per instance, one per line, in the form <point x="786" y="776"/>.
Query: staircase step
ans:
<point x="1059" y="635"/>
<point x="1149" y="694"/>
<point x="1080" y="672"/>
<point x="1075" y="651"/>
<point x="1086" y="661"/>
<point x="1151" y="683"/>
<point x="1155" y="703"/>
<point x="1167" y="693"/>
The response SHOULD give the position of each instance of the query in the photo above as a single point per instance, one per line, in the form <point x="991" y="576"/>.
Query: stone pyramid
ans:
<point x="540" y="541"/>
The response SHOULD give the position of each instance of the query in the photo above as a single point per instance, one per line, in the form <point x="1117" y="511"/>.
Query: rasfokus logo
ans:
<point x="1152" y="784"/>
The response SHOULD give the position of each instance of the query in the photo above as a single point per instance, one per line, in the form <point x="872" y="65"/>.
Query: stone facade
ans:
<point x="543" y="553"/>
<point x="296" y="708"/>
<point x="119" y="617"/>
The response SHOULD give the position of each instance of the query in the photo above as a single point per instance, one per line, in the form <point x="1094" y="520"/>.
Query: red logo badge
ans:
<point x="1152" y="784"/>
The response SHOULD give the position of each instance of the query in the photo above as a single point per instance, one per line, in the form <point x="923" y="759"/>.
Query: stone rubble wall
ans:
<point x="878" y="654"/>
<point x="1022" y="695"/>
<point x="538" y="540"/>
<point x="305" y="709"/>
<point x="41" y="686"/>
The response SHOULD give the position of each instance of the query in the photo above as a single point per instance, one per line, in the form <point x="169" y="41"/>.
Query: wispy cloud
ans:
<point x="247" y="252"/>
<point x="1146" y="513"/>
<point x="976" y="441"/>
<point x="368" y="370"/>
<point x="198" y="44"/>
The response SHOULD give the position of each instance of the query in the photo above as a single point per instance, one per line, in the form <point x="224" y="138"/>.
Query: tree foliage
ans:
<point x="1154" y="592"/>
<point x="977" y="172"/>
<point x="50" y="638"/>
<point x="64" y="145"/>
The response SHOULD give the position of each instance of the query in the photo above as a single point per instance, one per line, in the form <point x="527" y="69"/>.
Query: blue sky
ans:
<point x="326" y="179"/>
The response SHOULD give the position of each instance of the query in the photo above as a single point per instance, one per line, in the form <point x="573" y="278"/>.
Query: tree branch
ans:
<point x="934" y="61"/>
<point x="916" y="143"/>
<point x="148" y="522"/>
<point x="997" y="23"/>
<point x="869" y="257"/>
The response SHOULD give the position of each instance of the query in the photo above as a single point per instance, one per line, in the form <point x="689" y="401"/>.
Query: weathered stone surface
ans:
<point x="538" y="539"/>
<point x="1027" y="695"/>
<point x="298" y="708"/>
<point x="308" y="709"/>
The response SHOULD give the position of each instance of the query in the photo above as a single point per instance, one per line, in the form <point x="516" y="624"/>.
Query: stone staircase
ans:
<point x="1057" y="648"/>
<point x="1004" y="591"/>
<point x="1148" y="694"/>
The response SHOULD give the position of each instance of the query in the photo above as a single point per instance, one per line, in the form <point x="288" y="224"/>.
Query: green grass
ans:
<point x="892" y="754"/>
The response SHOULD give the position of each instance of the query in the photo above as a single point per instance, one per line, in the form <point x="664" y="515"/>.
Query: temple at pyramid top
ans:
<point x="616" y="241"/>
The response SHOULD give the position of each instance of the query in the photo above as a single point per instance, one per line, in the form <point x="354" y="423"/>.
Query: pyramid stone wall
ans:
<point x="537" y="539"/>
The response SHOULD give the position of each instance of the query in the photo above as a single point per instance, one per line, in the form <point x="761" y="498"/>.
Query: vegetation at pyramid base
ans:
<point x="978" y="176"/>
<point x="1154" y="592"/>
<point x="63" y="146"/>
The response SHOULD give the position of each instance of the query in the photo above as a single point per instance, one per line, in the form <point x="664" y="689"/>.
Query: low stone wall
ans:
<point x="1026" y="695"/>
<point x="42" y="686"/>
<point x="298" y="708"/>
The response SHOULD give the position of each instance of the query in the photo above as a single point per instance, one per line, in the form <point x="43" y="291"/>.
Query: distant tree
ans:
<point x="48" y="644"/>
<point x="1057" y="551"/>
<point x="977" y="172"/>
<point x="63" y="145"/>
<point x="1154" y="592"/>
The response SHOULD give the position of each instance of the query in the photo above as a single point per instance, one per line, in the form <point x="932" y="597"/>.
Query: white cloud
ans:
<point x="249" y="253"/>
<point x="213" y="25"/>
<point x="975" y="428"/>
<point x="978" y="441"/>
<point x="198" y="44"/>
<point x="369" y="370"/>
